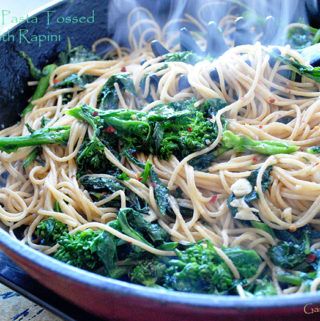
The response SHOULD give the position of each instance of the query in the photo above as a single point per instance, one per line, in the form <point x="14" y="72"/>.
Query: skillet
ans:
<point x="104" y="297"/>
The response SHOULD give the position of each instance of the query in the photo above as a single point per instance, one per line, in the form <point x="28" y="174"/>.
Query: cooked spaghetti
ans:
<point x="180" y="171"/>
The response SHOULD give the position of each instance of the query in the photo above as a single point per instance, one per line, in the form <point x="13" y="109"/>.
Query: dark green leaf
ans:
<point x="161" y="193"/>
<point x="108" y="98"/>
<point x="74" y="80"/>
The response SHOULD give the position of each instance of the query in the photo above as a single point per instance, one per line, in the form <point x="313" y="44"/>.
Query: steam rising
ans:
<point x="265" y="20"/>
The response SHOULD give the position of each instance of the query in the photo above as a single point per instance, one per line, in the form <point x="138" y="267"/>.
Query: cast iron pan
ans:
<point x="104" y="297"/>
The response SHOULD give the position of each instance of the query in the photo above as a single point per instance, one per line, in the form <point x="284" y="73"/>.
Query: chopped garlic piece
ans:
<point x="241" y="187"/>
<point x="287" y="214"/>
<point x="246" y="214"/>
<point x="244" y="211"/>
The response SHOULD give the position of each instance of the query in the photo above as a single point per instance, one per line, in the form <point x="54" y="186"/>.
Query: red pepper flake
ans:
<point x="109" y="130"/>
<point x="123" y="69"/>
<point x="213" y="199"/>
<point x="189" y="129"/>
<point x="55" y="80"/>
<point x="139" y="179"/>
<point x="311" y="258"/>
<point x="95" y="113"/>
<point x="255" y="159"/>
<point x="271" y="100"/>
<point x="260" y="126"/>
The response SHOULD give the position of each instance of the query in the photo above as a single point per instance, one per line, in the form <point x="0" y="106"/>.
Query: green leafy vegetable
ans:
<point x="199" y="269"/>
<point x="266" y="147"/>
<point x="187" y="57"/>
<point x="133" y="224"/>
<point x="52" y="135"/>
<point x="263" y="227"/>
<point x="264" y="287"/>
<point x="34" y="71"/>
<point x="42" y="87"/>
<point x="91" y="158"/>
<point x="301" y="36"/>
<point x="146" y="172"/>
<point x="100" y="184"/>
<point x="161" y="193"/>
<point x="74" y="80"/>
<point x="307" y="71"/>
<point x="33" y="156"/>
<point x="76" y="55"/>
<point x="149" y="272"/>
<point x="108" y="98"/>
<point x="163" y="131"/>
<point x="44" y="121"/>
<point x="314" y="150"/>
<point x="246" y="261"/>
<point x="123" y="177"/>
<point x="210" y="107"/>
<point x="71" y="55"/>
<point x="50" y="230"/>
<point x="56" y="207"/>
<point x="292" y="254"/>
<point x="265" y="183"/>
<point x="81" y="249"/>
<point x="295" y="278"/>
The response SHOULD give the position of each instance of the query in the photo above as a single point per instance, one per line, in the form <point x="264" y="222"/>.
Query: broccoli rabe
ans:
<point x="293" y="253"/>
<point x="34" y="155"/>
<point x="149" y="272"/>
<point x="197" y="269"/>
<point x="265" y="147"/>
<point x="50" y="230"/>
<point x="43" y="136"/>
<point x="108" y="98"/>
<point x="74" y="80"/>
<point x="264" y="287"/>
<point x="164" y="131"/>
<point x="132" y="223"/>
<point x="41" y="88"/>
<point x="76" y="55"/>
<point x="306" y="71"/>
<point x="71" y="55"/>
<point x="81" y="249"/>
<point x="91" y="158"/>
<point x="294" y="278"/>
<point x="301" y="36"/>
<point x="246" y="261"/>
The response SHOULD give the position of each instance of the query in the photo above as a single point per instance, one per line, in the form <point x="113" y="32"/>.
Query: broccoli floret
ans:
<point x="50" y="230"/>
<point x="81" y="249"/>
<point x="199" y="269"/>
<point x="91" y="158"/>
<point x="177" y="128"/>
<point x="149" y="273"/>
<point x="182" y="139"/>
